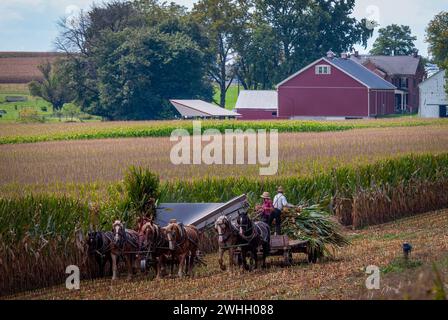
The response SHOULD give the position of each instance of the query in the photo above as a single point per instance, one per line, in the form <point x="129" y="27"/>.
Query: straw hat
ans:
<point x="266" y="195"/>
<point x="280" y="189"/>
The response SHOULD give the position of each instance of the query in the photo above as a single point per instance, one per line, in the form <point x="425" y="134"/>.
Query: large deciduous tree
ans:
<point x="258" y="57"/>
<point x="139" y="70"/>
<point x="222" y="20"/>
<point x="437" y="38"/>
<point x="128" y="58"/>
<point x="394" y="40"/>
<point x="306" y="29"/>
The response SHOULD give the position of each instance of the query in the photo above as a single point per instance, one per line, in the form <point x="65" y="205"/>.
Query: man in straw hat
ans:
<point x="266" y="208"/>
<point x="279" y="203"/>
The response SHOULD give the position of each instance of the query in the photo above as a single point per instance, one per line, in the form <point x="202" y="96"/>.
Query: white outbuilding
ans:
<point x="433" y="97"/>
<point x="202" y="109"/>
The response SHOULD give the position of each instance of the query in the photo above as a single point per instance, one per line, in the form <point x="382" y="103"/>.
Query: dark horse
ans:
<point x="100" y="246"/>
<point x="228" y="239"/>
<point x="255" y="234"/>
<point x="124" y="245"/>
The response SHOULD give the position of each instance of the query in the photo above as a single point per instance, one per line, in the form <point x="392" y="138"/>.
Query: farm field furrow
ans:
<point x="103" y="161"/>
<point x="341" y="277"/>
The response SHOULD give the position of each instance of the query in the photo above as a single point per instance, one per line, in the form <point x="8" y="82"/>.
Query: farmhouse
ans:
<point x="257" y="104"/>
<point x="22" y="67"/>
<point x="334" y="87"/>
<point x="404" y="72"/>
<point x="433" y="97"/>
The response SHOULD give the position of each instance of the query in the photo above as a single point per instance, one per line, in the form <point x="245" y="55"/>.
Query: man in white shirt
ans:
<point x="279" y="203"/>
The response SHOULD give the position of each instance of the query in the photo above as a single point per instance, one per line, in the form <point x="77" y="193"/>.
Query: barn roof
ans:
<point x="200" y="108"/>
<point x="361" y="73"/>
<point x="257" y="99"/>
<point x="354" y="70"/>
<point x="392" y="65"/>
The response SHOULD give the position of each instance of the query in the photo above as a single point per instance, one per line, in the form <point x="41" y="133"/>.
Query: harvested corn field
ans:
<point x="342" y="277"/>
<point x="300" y="154"/>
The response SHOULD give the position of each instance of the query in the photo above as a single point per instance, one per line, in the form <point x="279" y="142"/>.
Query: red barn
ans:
<point x="335" y="88"/>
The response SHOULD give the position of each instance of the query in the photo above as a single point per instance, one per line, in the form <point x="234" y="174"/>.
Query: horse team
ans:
<point x="178" y="244"/>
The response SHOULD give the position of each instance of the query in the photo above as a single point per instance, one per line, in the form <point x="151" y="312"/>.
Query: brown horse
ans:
<point x="153" y="243"/>
<point x="183" y="243"/>
<point x="228" y="239"/>
<point x="125" y="245"/>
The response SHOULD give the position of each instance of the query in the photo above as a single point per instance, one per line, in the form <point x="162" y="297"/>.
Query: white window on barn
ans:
<point x="323" y="69"/>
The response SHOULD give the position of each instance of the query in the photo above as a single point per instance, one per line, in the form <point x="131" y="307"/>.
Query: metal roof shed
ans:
<point x="257" y="104"/>
<point x="201" y="109"/>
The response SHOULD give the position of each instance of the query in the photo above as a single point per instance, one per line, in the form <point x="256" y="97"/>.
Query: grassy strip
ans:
<point x="165" y="130"/>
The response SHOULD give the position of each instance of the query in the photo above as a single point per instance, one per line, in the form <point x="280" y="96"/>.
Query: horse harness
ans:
<point x="184" y="236"/>
<point x="104" y="247"/>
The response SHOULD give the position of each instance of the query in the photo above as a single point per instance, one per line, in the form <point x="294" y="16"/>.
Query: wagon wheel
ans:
<point x="237" y="258"/>
<point x="252" y="261"/>
<point x="313" y="255"/>
<point x="288" y="259"/>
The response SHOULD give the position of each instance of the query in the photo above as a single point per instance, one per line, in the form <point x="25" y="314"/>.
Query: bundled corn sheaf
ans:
<point x="38" y="235"/>
<point x="316" y="226"/>
<point x="386" y="204"/>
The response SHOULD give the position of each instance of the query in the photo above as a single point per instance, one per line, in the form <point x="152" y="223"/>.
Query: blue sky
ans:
<point x="30" y="25"/>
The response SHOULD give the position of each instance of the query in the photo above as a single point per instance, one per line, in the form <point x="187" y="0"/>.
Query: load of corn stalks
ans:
<point x="315" y="225"/>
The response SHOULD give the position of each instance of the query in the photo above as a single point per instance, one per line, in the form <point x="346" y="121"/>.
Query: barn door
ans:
<point x="443" y="112"/>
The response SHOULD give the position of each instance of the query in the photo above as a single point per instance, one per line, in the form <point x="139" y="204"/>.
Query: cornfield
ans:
<point x="53" y="132"/>
<point x="38" y="232"/>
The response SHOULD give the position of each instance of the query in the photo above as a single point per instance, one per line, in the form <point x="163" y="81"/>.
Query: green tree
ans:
<point x="139" y="70"/>
<point x="53" y="88"/>
<point x="307" y="29"/>
<point x="437" y="38"/>
<point x="222" y="20"/>
<point x="129" y="66"/>
<point x="394" y="40"/>
<point x="258" y="56"/>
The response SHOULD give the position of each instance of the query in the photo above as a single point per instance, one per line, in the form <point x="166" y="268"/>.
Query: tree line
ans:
<point x="126" y="58"/>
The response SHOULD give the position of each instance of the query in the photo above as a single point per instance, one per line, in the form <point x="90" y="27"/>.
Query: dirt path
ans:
<point x="339" y="278"/>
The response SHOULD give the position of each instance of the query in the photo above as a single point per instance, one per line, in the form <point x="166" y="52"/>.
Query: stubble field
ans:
<point x="89" y="170"/>
<point x="104" y="161"/>
<point x="342" y="277"/>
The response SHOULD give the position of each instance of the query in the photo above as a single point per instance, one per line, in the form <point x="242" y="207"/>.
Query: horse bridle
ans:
<point x="226" y="223"/>
<point x="155" y="236"/>
<point x="122" y="234"/>
<point x="251" y="228"/>
<point x="182" y="232"/>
